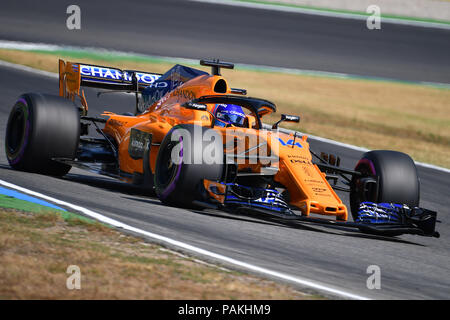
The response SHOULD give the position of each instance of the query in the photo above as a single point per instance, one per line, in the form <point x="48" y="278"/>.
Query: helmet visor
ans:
<point x="233" y="118"/>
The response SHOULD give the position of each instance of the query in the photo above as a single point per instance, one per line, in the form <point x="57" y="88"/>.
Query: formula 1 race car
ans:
<point x="186" y="143"/>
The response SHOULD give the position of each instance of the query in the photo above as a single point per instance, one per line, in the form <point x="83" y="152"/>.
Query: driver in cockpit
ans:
<point x="228" y="114"/>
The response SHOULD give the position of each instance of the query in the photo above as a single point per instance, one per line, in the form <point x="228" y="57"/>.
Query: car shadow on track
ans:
<point x="209" y="213"/>
<point x="341" y="231"/>
<point x="109" y="184"/>
<point x="308" y="226"/>
<point x="230" y="216"/>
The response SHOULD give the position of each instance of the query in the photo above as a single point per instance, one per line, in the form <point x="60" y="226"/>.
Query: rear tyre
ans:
<point x="178" y="182"/>
<point x="395" y="176"/>
<point x="41" y="127"/>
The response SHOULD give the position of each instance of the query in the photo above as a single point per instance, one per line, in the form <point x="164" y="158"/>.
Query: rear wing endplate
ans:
<point x="73" y="76"/>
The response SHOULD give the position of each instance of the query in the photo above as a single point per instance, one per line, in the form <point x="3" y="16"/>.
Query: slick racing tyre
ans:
<point x="387" y="176"/>
<point x="178" y="173"/>
<point x="41" y="127"/>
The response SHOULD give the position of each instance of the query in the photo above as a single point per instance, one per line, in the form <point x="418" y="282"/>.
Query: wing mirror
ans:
<point x="286" y="118"/>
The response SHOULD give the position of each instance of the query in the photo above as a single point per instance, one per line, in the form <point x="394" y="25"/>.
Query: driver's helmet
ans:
<point x="228" y="114"/>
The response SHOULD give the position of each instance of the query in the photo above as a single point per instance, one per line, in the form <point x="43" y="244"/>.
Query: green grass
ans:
<point x="26" y="206"/>
<point x="37" y="246"/>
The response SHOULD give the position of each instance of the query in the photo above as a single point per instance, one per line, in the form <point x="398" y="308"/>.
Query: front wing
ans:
<point x="380" y="219"/>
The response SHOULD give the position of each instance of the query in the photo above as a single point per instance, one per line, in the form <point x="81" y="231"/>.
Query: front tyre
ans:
<point x="178" y="176"/>
<point x="387" y="176"/>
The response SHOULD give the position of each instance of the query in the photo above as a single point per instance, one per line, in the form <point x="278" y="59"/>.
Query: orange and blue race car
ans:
<point x="200" y="143"/>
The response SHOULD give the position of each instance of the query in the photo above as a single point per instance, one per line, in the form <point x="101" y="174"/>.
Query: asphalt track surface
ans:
<point x="412" y="267"/>
<point x="253" y="36"/>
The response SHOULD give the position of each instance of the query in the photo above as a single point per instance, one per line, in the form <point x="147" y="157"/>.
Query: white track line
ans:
<point x="188" y="247"/>
<point x="337" y="143"/>
<point x="356" y="148"/>
<point x="325" y="13"/>
<point x="352" y="147"/>
<point x="349" y="146"/>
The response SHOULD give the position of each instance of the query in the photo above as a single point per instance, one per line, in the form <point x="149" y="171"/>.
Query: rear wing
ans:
<point x="73" y="76"/>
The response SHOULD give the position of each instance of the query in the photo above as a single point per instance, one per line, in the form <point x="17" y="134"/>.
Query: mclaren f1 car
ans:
<point x="177" y="144"/>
